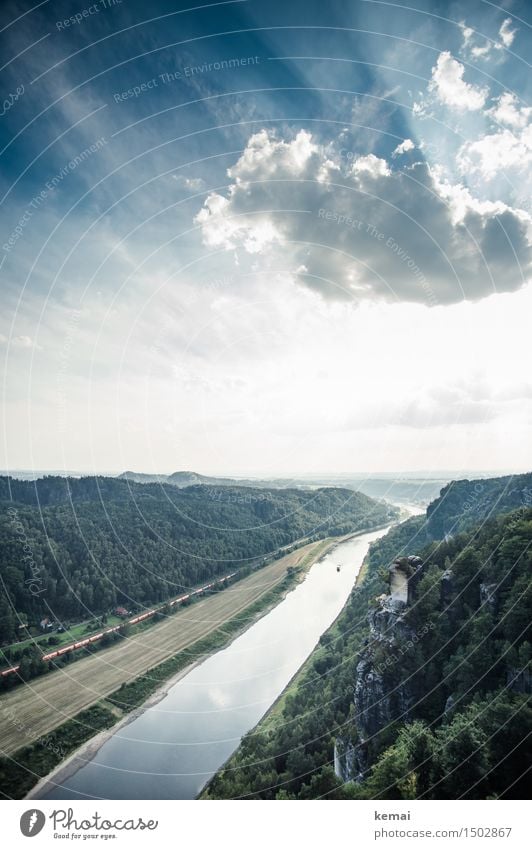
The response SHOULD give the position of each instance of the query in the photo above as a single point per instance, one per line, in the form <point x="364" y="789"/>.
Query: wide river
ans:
<point x="173" y="747"/>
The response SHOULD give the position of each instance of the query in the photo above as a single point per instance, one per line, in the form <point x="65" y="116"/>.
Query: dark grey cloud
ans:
<point x="365" y="230"/>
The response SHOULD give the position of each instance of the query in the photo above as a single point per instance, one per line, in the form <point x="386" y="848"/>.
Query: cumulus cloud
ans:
<point x="405" y="146"/>
<point x="496" y="152"/>
<point x="372" y="165"/>
<point x="450" y="88"/>
<point x="365" y="231"/>
<point x="222" y="227"/>
<point x="461" y="201"/>
<point x="507" y="111"/>
<point x="264" y="159"/>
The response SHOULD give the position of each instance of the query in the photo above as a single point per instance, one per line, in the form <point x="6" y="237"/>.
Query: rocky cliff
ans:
<point x="378" y="699"/>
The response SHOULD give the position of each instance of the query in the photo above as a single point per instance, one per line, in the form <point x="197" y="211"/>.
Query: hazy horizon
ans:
<point x="424" y="474"/>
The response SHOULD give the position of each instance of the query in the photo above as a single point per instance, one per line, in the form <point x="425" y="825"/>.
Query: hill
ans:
<point x="394" y="489"/>
<point x="185" y="478"/>
<point x="463" y="503"/>
<point x="75" y="548"/>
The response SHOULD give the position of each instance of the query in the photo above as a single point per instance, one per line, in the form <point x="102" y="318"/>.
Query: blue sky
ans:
<point x="266" y="237"/>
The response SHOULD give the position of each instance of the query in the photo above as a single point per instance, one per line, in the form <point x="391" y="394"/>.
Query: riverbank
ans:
<point x="293" y="742"/>
<point x="90" y="748"/>
<point x="29" y="712"/>
<point x="274" y="713"/>
<point x="80" y="737"/>
<point x="41" y="767"/>
<point x="171" y="750"/>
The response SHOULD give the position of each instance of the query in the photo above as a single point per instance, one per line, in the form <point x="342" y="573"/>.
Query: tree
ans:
<point x="464" y="757"/>
<point x="422" y="755"/>
<point x="7" y="622"/>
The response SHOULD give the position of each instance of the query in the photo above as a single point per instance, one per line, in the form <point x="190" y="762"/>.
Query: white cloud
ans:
<point x="506" y="34"/>
<point x="221" y="228"/>
<point x="270" y="156"/>
<point x="507" y="111"/>
<point x="467" y="32"/>
<point x="372" y="165"/>
<point x="460" y="200"/>
<point x="265" y="158"/>
<point x="450" y="88"/>
<point x="404" y="147"/>
<point x="497" y="152"/>
<point x="478" y="52"/>
<point x="368" y="231"/>
<point x="194" y="184"/>
<point x="473" y="47"/>
<point x="21" y="341"/>
<point x="508" y="150"/>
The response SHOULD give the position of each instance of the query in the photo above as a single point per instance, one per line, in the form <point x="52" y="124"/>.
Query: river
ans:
<point x="174" y="746"/>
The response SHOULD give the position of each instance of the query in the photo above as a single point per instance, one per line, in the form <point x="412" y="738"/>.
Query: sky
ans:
<point x="265" y="238"/>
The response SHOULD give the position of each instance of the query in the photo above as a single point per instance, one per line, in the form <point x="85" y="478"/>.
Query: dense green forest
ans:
<point x="75" y="548"/>
<point x="431" y="703"/>
<point x="462" y="503"/>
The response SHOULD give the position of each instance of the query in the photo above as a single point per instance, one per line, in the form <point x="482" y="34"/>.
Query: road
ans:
<point x="36" y="708"/>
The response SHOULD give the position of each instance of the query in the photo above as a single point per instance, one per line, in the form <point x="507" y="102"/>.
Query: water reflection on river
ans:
<point x="172" y="749"/>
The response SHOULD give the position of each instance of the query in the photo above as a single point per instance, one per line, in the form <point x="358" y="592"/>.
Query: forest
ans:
<point x="462" y="502"/>
<point x="453" y="713"/>
<point x="71" y="549"/>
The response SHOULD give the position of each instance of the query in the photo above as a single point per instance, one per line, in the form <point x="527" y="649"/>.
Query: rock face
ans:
<point x="519" y="680"/>
<point x="377" y="702"/>
<point x="447" y="586"/>
<point x="386" y="622"/>
<point x="372" y="705"/>
<point x="449" y="705"/>
<point x="405" y="573"/>
<point x="488" y="596"/>
<point x="344" y="759"/>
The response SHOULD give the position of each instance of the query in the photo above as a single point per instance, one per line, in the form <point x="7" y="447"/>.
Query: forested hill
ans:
<point x="466" y="502"/>
<point x="428" y="698"/>
<point x="396" y="489"/>
<point x="182" y="479"/>
<point x="74" y="548"/>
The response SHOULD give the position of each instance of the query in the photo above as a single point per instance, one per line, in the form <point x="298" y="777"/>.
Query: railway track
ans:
<point x="32" y="710"/>
<point x="134" y="621"/>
